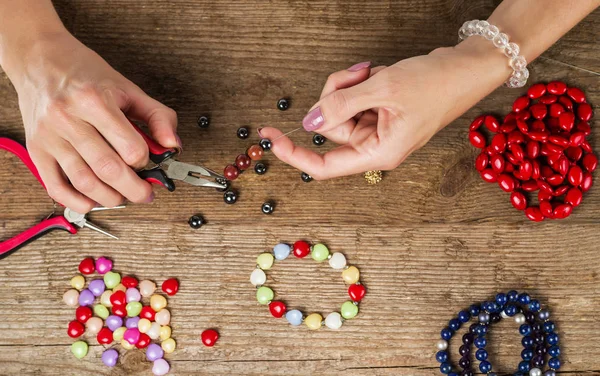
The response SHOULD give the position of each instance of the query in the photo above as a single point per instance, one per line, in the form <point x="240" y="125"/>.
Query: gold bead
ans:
<point x="373" y="177"/>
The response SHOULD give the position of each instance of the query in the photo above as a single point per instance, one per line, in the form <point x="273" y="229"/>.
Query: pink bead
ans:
<point x="103" y="265"/>
<point x="132" y="335"/>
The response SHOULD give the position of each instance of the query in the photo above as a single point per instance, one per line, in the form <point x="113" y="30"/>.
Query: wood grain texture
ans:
<point x="429" y="240"/>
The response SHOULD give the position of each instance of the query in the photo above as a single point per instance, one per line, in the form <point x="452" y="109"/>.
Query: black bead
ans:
<point x="230" y="197"/>
<point x="473" y="328"/>
<point x="265" y="144"/>
<point x="467" y="372"/>
<point x="538" y="361"/>
<point x="224" y="182"/>
<point x="539" y="338"/>
<point x="464" y="350"/>
<point x="260" y="168"/>
<point x="243" y="133"/>
<point x="306" y="177"/>
<point x="268" y="207"/>
<point x="530" y="317"/>
<point x="196" y="221"/>
<point x="203" y="122"/>
<point x="319" y="139"/>
<point x="541" y="350"/>
<point x="468" y="338"/>
<point x="495" y="318"/>
<point x="536" y="328"/>
<point x="283" y="104"/>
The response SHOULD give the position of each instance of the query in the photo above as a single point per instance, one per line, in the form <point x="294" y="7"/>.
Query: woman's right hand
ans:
<point x="75" y="110"/>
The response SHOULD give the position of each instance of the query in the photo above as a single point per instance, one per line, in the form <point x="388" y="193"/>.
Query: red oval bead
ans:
<point x="560" y="141"/>
<point x="546" y="172"/>
<point x="75" y="329"/>
<point x="104" y="336"/>
<point x="533" y="149"/>
<point x="536" y="91"/>
<point x="301" y="249"/>
<point x="144" y="341"/>
<point x="477" y="139"/>
<point x="497" y="163"/>
<point x="534" y="214"/>
<point x="509" y="117"/>
<point x="542" y="185"/>
<point x="557" y="87"/>
<point x="575" y="175"/>
<point x="511" y="158"/>
<point x="552" y="149"/>
<point x="517" y="151"/>
<point x="556" y="109"/>
<point x="563" y="165"/>
<point x="231" y="172"/>
<point x="492" y="123"/>
<point x="566" y="121"/>
<point x="585" y="146"/>
<point x="83" y="314"/>
<point x="577" y="139"/>
<point x="506" y="182"/>
<point x="566" y="102"/>
<point x="537" y="126"/>
<point x="574" y="197"/>
<point x="499" y="142"/>
<point x="118" y="298"/>
<point x="590" y="162"/>
<point x="546" y="209"/>
<point x="170" y="286"/>
<point x="576" y="94"/>
<point x="481" y="162"/>
<point x="525" y="170"/>
<point x="539" y="111"/>
<point x="535" y="169"/>
<point x="209" y="337"/>
<point x="574" y="153"/>
<point x="529" y="186"/>
<point x="584" y="127"/>
<point x="129" y="281"/>
<point x="119" y="310"/>
<point x="357" y="292"/>
<point x="523" y="127"/>
<point x="489" y="151"/>
<point x="509" y="167"/>
<point x="561" y="190"/>
<point x="489" y="175"/>
<point x="508" y="127"/>
<point x="87" y="266"/>
<point x="147" y="313"/>
<point x="545" y="196"/>
<point x="518" y="200"/>
<point x="586" y="183"/>
<point x="476" y="123"/>
<point x="243" y="162"/>
<point x="548" y="99"/>
<point x="539" y="136"/>
<point x="277" y="308"/>
<point x="562" y="211"/>
<point x="515" y="137"/>
<point x="520" y="104"/>
<point x="555" y="179"/>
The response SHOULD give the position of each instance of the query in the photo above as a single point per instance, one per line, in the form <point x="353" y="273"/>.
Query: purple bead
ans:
<point x="495" y="318"/>
<point x="133" y="295"/>
<point x="467" y="372"/>
<point x="538" y="361"/>
<point x="97" y="287"/>
<point x="530" y="317"/>
<point x="464" y="350"/>
<point x="464" y="362"/>
<point x="110" y="357"/>
<point x="114" y="322"/>
<point x="132" y="322"/>
<point x="132" y="335"/>
<point x="103" y="265"/>
<point x="468" y="338"/>
<point x="154" y="352"/>
<point x="86" y="298"/>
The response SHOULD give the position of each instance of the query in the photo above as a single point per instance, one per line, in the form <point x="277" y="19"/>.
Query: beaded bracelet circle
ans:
<point x="319" y="253"/>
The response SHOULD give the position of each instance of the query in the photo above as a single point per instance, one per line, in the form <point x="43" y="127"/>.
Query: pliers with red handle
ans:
<point x="164" y="168"/>
<point x="70" y="221"/>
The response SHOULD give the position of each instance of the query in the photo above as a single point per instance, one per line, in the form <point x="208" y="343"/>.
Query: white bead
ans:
<point x="258" y="277"/>
<point x="333" y="320"/>
<point x="470" y="29"/>
<point x="154" y="331"/>
<point x="441" y="345"/>
<point x="518" y="63"/>
<point x="512" y="50"/>
<point x="337" y="261"/>
<point x="490" y="32"/>
<point x="520" y="318"/>
<point x="481" y="26"/>
<point x="503" y="315"/>
<point x="535" y="372"/>
<point x="500" y="40"/>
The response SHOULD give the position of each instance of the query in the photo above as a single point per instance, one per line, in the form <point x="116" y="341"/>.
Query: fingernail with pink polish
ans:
<point x="360" y="66"/>
<point x="259" y="134"/>
<point x="150" y="198"/>
<point x="179" y="142"/>
<point x="314" y="120"/>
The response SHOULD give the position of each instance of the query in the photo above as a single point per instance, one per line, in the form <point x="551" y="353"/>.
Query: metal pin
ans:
<point x="100" y="208"/>
<point x="98" y="229"/>
<point x="285" y="134"/>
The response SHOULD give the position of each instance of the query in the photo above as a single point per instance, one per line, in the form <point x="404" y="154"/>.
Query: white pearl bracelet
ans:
<point x="520" y="73"/>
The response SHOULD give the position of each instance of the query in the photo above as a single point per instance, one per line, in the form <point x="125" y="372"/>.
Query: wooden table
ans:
<point x="429" y="240"/>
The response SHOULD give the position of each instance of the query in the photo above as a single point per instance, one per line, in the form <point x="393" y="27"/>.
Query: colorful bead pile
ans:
<point x="120" y="316"/>
<point x="539" y="336"/>
<point x="319" y="253"/>
<point x="541" y="145"/>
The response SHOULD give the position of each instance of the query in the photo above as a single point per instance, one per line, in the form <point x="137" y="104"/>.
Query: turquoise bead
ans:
<point x="294" y="317"/>
<point x="264" y="295"/>
<point x="281" y="251"/>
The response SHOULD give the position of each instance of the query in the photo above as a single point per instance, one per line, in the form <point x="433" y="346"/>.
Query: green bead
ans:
<point x="79" y="349"/>
<point x="349" y="310"/>
<point x="133" y="309"/>
<point x="101" y="311"/>
<point x="319" y="252"/>
<point x="264" y="295"/>
<point x="111" y="280"/>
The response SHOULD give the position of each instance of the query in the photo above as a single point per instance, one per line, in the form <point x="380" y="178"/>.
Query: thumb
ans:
<point x="160" y="119"/>
<point x="340" y="106"/>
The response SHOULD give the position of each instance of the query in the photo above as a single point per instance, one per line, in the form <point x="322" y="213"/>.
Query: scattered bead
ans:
<point x="196" y="221"/>
<point x="133" y="308"/>
<point x="79" y="349"/>
<point x="154" y="331"/>
<point x="165" y="332"/>
<point x="72" y="297"/>
<point x="283" y="104"/>
<point x="101" y="311"/>
<point x="93" y="325"/>
<point x="163" y="317"/>
<point x="83" y="314"/>
<point x="112" y="279"/>
<point x="104" y="336"/>
<point x="243" y="133"/>
<point x="143" y="342"/>
<point x="160" y="367"/>
<point x="209" y="337"/>
<point x="78" y="282"/>
<point x="154" y="352"/>
<point x="265" y="144"/>
<point x="203" y="122"/>
<point x="132" y="322"/>
<point x="268" y="208"/>
<point x="318" y="139"/>
<point x="147" y="288"/>
<point x="168" y="345"/>
<point x="147" y="313"/>
<point x="118" y="333"/>
<point x="110" y="357"/>
<point x="144" y="325"/>
<point x="119" y="287"/>
<point x="126" y="345"/>
<point x="306" y="177"/>
<point x="114" y="322"/>
<point x="170" y="286"/>
<point x="260" y="168"/>
<point x="132" y="335"/>
<point x="230" y="197"/>
<point x="97" y="287"/>
<point x="86" y="298"/>
<point x="75" y="329"/>
<point x="103" y="265"/>
<point x="87" y="266"/>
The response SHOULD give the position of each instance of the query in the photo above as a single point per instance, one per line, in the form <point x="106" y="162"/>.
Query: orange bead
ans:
<point x="255" y="152"/>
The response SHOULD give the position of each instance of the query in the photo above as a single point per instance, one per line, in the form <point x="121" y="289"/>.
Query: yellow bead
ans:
<point x="165" y="332"/>
<point x="264" y="261"/>
<point x="126" y="345"/>
<point x="144" y="325"/>
<point x="158" y="302"/>
<point x="168" y="345"/>
<point x="313" y="321"/>
<point x="119" y="287"/>
<point x="351" y="275"/>
<point x="118" y="333"/>
<point x="78" y="282"/>
<point x="105" y="298"/>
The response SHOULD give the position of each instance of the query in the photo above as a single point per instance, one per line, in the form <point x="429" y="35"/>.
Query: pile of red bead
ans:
<point x="541" y="145"/>
<point x="111" y="309"/>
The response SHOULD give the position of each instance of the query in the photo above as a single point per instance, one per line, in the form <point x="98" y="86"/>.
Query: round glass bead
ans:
<point x="441" y="356"/>
<point x="281" y="251"/>
<point x="319" y="252"/>
<point x="258" y="277"/>
<point x="313" y="321"/>
<point x="464" y="316"/>
<point x="554" y="363"/>
<point x="511" y="50"/>
<point x="337" y="261"/>
<point x="518" y="63"/>
<point x="294" y="317"/>
<point x="333" y="320"/>
<point x="481" y="26"/>
<point x="490" y="32"/>
<point x="349" y="310"/>
<point x="554" y="351"/>
<point x="351" y="275"/>
<point x="500" y="40"/>
<point x="446" y="334"/>
<point x="471" y="27"/>
<point x="454" y="324"/>
<point x="445" y="368"/>
<point x="264" y="295"/>
<point x="265" y="261"/>
<point x="485" y="366"/>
